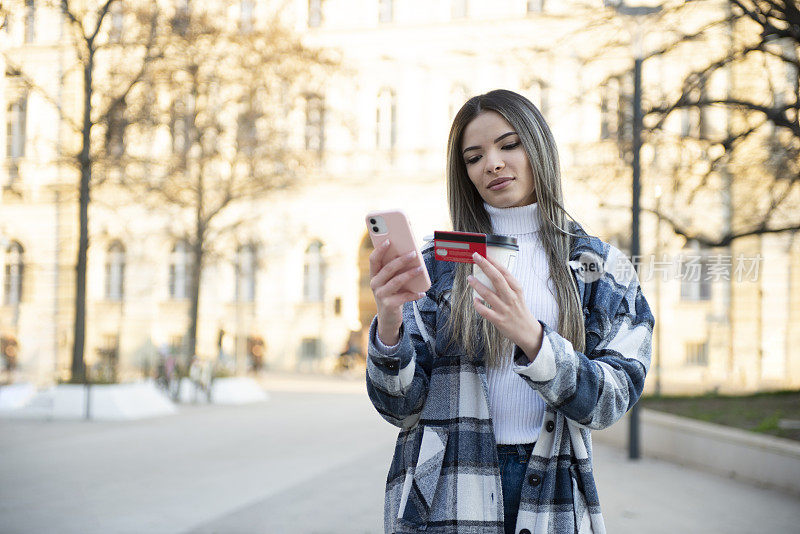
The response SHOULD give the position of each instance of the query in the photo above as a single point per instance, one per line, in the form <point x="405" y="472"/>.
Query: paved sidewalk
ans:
<point x="301" y="462"/>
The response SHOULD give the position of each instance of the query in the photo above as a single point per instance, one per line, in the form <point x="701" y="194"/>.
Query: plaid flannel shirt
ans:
<point x="444" y="476"/>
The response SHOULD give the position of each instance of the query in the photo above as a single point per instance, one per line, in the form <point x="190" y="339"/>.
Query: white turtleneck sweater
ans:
<point x="517" y="410"/>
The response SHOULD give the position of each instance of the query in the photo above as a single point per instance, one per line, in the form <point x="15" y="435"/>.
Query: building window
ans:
<point x="117" y="21"/>
<point x="180" y="23"/>
<point x="616" y="119"/>
<point x="115" y="271"/>
<point x="535" y="6"/>
<point x="314" y="273"/>
<point x="314" y="13"/>
<point x="115" y="130"/>
<point x="538" y="94"/>
<point x="246" y="273"/>
<point x="315" y="124"/>
<point x="14" y="269"/>
<point x="385" y="10"/>
<point x="693" y="123"/>
<point x="182" y="123"/>
<point x="694" y="274"/>
<point x="609" y="108"/>
<point x="30" y="21"/>
<point x="180" y="271"/>
<point x="16" y="115"/>
<point x="458" y="9"/>
<point x="458" y="97"/>
<point x="697" y="354"/>
<point x="310" y="348"/>
<point x="246" y="130"/>
<point x="246" y="9"/>
<point x="386" y="120"/>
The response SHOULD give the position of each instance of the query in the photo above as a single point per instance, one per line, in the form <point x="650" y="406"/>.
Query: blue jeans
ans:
<point x="513" y="463"/>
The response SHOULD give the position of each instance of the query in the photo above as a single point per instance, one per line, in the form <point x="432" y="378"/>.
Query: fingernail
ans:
<point x="470" y="278"/>
<point x="421" y="295"/>
<point x="411" y="254"/>
<point x="385" y="243"/>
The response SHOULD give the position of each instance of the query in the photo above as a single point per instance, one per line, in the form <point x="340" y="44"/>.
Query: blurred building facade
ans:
<point x="293" y="286"/>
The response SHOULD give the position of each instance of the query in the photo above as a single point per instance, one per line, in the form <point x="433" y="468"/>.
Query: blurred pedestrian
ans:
<point x="496" y="396"/>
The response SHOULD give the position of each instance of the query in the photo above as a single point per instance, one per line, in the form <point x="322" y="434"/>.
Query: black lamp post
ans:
<point x="634" y="12"/>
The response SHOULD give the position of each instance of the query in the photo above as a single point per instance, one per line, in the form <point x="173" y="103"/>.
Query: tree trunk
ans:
<point x="78" y="373"/>
<point x="197" y="268"/>
<point x="198" y="245"/>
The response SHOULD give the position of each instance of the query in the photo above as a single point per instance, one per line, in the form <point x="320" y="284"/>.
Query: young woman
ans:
<point x="496" y="400"/>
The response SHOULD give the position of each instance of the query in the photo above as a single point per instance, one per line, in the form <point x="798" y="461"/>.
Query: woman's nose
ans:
<point x="495" y="165"/>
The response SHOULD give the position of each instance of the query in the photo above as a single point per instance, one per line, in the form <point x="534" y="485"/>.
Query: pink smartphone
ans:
<point x="394" y="226"/>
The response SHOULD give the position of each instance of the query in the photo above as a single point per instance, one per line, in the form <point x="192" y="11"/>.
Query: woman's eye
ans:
<point x="511" y="146"/>
<point x="473" y="159"/>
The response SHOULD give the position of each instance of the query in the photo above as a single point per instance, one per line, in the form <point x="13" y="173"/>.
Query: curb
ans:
<point x="758" y="459"/>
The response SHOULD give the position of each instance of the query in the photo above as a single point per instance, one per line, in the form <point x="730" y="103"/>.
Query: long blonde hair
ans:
<point x="467" y="214"/>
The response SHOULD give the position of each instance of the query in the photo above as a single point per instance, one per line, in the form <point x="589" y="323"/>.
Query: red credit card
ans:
<point x="458" y="246"/>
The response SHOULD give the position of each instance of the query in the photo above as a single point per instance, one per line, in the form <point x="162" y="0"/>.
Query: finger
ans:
<point x="512" y="282"/>
<point x="484" y="311"/>
<point x="392" y="268"/>
<point x="490" y="270"/>
<point x="485" y="292"/>
<point x="376" y="258"/>
<point x="401" y="298"/>
<point x="395" y="285"/>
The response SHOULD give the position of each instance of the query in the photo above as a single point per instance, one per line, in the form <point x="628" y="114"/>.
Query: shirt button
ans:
<point x="534" y="480"/>
<point x="524" y="531"/>
<point x="550" y="426"/>
<point x="586" y="311"/>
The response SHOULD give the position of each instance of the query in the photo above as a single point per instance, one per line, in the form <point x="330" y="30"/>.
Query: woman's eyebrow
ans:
<point x="495" y="141"/>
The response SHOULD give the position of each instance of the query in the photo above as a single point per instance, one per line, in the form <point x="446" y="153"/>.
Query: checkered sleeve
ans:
<point x="397" y="380"/>
<point x="595" y="390"/>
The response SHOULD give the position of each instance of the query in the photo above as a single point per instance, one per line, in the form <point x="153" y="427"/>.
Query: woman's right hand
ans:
<point x="386" y="280"/>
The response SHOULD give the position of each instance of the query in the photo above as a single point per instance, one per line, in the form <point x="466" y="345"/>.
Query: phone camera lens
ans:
<point x="375" y="228"/>
<point x="372" y="221"/>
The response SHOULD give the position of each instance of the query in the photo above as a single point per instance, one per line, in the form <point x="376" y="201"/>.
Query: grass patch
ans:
<point x="761" y="412"/>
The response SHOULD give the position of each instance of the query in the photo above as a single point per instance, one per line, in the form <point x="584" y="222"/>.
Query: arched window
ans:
<point x="246" y="273"/>
<point x="115" y="271"/>
<point x="386" y="120"/>
<point x="16" y="115"/>
<point x="314" y="273"/>
<point x="180" y="271"/>
<point x="15" y="266"/>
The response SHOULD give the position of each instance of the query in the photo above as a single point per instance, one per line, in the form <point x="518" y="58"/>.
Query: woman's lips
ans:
<point x="499" y="183"/>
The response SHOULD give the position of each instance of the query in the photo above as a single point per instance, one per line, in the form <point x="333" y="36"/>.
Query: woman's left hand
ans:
<point x="507" y="310"/>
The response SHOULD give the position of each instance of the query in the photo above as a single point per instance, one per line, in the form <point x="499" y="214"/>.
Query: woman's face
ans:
<point x="496" y="162"/>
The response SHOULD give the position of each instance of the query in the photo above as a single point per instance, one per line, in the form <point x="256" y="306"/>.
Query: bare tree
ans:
<point x="223" y="92"/>
<point x="730" y="127"/>
<point x="108" y="49"/>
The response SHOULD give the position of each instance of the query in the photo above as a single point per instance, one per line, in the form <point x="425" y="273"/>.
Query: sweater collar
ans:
<point x="514" y="221"/>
